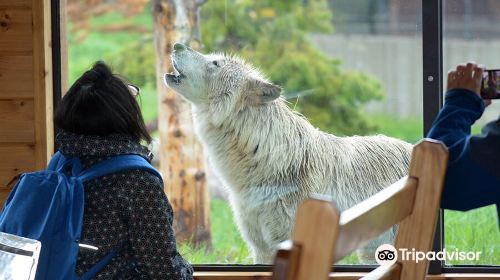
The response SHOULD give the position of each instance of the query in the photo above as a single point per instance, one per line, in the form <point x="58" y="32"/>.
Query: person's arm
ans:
<point x="485" y="148"/>
<point x="463" y="106"/>
<point x="467" y="185"/>
<point x="151" y="235"/>
<point x="453" y="124"/>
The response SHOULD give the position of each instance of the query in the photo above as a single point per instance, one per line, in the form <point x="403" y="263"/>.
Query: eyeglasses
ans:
<point x="134" y="90"/>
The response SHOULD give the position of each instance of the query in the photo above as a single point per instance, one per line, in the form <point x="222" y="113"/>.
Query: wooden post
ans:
<point x="42" y="79"/>
<point x="181" y="155"/>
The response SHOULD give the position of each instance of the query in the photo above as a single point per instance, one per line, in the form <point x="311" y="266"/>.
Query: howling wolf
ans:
<point x="271" y="158"/>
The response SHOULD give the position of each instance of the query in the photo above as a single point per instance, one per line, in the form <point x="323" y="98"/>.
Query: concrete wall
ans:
<point x="396" y="61"/>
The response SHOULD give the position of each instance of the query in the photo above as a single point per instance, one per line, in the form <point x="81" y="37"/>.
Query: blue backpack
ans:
<point x="48" y="206"/>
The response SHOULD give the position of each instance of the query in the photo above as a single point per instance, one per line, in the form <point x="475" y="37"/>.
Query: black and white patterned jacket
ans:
<point x="127" y="209"/>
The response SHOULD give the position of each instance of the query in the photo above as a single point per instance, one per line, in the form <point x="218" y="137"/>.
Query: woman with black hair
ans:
<point x="99" y="118"/>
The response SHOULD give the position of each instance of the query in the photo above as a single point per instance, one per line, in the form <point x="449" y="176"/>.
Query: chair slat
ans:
<point x="314" y="217"/>
<point x="372" y="217"/>
<point x="428" y="164"/>
<point x="385" y="273"/>
<point x="286" y="261"/>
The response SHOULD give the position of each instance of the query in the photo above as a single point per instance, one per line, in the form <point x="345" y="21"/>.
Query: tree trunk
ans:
<point x="181" y="155"/>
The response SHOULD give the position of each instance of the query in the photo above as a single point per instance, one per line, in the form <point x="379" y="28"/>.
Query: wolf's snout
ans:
<point x="179" y="47"/>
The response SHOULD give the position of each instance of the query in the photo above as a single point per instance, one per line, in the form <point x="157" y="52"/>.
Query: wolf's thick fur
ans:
<point x="270" y="157"/>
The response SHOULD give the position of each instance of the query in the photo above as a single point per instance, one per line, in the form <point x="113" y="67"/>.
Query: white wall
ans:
<point x="397" y="63"/>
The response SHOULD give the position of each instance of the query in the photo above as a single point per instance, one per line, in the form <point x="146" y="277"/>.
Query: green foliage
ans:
<point x="273" y="35"/>
<point x="137" y="62"/>
<point x="129" y="53"/>
<point x="235" y="25"/>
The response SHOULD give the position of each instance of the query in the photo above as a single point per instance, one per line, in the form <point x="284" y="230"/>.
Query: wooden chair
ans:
<point x="323" y="236"/>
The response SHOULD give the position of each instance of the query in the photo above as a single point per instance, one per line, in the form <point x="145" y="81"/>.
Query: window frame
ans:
<point x="432" y="79"/>
<point x="57" y="64"/>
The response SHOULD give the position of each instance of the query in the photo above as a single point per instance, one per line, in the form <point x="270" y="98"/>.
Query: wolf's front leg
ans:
<point x="265" y="255"/>
<point x="250" y="223"/>
<point x="276" y="226"/>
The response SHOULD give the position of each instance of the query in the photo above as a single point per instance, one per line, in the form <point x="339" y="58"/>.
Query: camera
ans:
<point x="490" y="85"/>
<point x="386" y="255"/>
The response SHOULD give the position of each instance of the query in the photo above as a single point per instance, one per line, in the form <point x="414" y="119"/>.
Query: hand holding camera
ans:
<point x="475" y="78"/>
<point x="490" y="85"/>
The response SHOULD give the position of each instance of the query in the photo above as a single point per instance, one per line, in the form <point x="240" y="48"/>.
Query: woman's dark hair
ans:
<point x="101" y="103"/>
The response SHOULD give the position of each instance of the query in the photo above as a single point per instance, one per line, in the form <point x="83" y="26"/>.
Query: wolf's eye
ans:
<point x="216" y="63"/>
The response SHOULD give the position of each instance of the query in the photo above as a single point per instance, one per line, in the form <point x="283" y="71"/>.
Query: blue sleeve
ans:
<point x="468" y="183"/>
<point x="452" y="126"/>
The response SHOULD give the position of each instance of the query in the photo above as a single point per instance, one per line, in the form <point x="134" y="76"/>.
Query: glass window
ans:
<point x="350" y="67"/>
<point x="470" y="34"/>
<point x="344" y="65"/>
<point x="382" y="39"/>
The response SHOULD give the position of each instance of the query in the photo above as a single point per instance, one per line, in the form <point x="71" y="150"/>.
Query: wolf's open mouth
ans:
<point x="177" y="75"/>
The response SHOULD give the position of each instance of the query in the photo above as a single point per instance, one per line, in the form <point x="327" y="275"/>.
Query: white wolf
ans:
<point x="270" y="157"/>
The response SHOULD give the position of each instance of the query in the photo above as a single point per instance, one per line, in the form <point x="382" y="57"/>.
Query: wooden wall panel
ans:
<point x="17" y="131"/>
<point x="16" y="31"/>
<point x="42" y="81"/>
<point x="17" y="121"/>
<point x="16" y="109"/>
<point x="26" y="140"/>
<point x="16" y="76"/>
<point x="15" y="160"/>
<point x="15" y="3"/>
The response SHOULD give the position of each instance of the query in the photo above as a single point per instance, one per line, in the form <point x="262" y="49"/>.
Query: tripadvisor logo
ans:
<point x="387" y="255"/>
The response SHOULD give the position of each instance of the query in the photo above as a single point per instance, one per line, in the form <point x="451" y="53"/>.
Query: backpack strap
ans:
<point x="56" y="161"/>
<point x="116" y="164"/>
<point x="100" y="265"/>
<point x="59" y="162"/>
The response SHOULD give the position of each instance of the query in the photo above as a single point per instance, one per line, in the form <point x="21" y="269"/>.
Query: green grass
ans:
<point x="148" y="100"/>
<point x="475" y="230"/>
<point x="410" y="130"/>
<point x="227" y="245"/>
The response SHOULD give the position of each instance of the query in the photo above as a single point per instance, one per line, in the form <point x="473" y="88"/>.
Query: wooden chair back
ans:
<point x="322" y="236"/>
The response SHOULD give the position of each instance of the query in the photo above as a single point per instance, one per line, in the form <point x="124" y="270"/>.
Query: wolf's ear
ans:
<point x="260" y="92"/>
